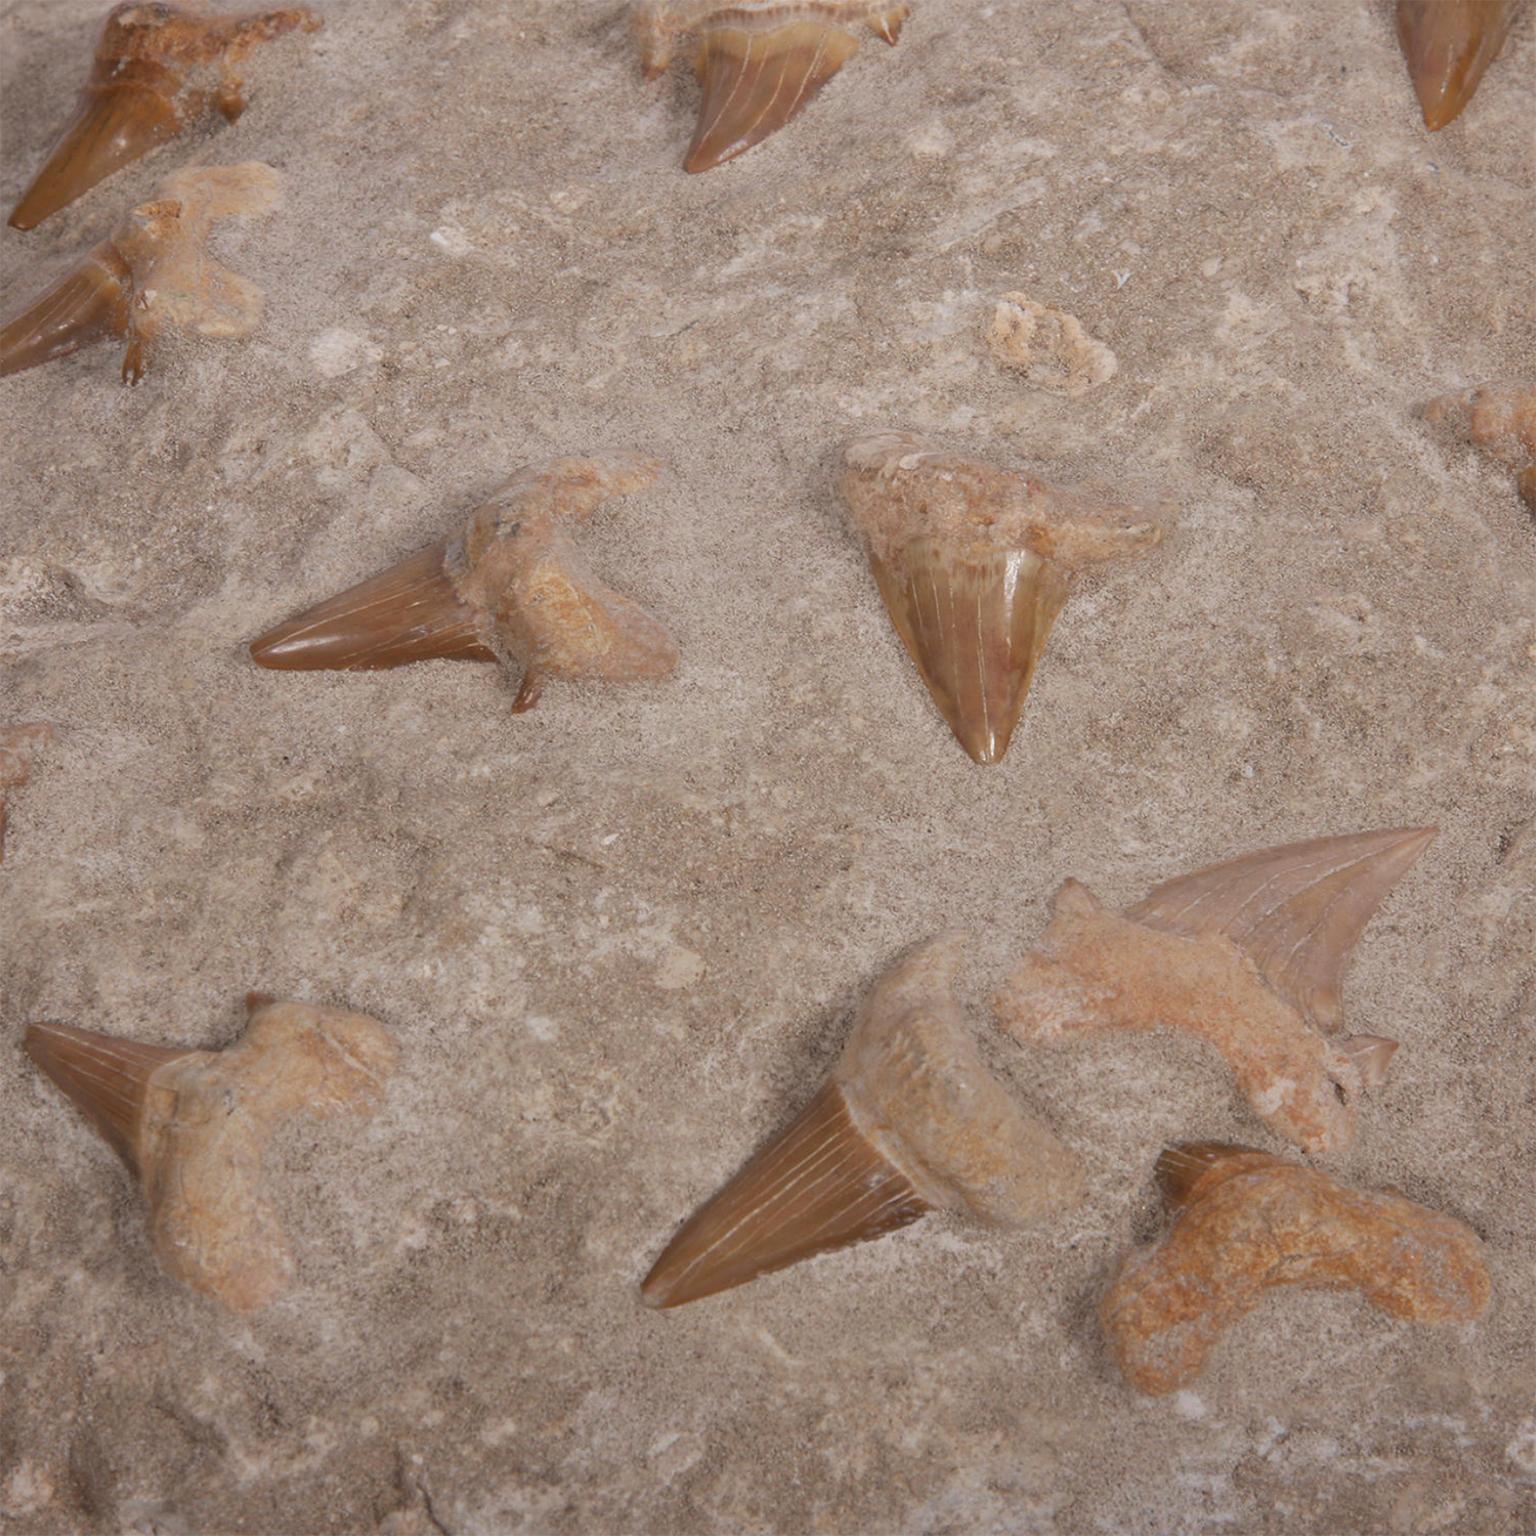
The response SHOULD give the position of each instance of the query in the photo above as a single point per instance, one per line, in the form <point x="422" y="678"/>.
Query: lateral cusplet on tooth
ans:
<point x="153" y="276"/>
<point x="759" y="62"/>
<point x="1247" y="955"/>
<point x="909" y="1121"/>
<point x="512" y="587"/>
<point x="159" y="69"/>
<point x="974" y="564"/>
<point x="1246" y="1222"/>
<point x="192" y="1126"/>
<point x="1449" y="45"/>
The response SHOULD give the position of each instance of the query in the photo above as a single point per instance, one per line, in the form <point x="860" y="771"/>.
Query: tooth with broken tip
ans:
<point x="192" y="1126"/>
<point x="974" y="564"/>
<point x="152" y="78"/>
<point x="909" y="1121"/>
<point x="1247" y="955"/>
<point x="512" y="587"/>
<point x="1449" y="44"/>
<point x="759" y="62"/>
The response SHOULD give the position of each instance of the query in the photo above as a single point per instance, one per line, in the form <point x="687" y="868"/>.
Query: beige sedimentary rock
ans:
<point x="19" y="745"/>
<point x="1500" y="419"/>
<point x="1049" y="347"/>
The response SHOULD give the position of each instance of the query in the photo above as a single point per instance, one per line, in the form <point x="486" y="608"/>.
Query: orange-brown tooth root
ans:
<point x="1248" y="1223"/>
<point x="1298" y="910"/>
<point x="19" y="745"/>
<point x="512" y="587"/>
<point x="158" y="69"/>
<point x="1449" y="44"/>
<point x="410" y="612"/>
<point x="106" y="1078"/>
<point x="193" y="1127"/>
<point x="817" y="1187"/>
<point x="909" y="1121"/>
<point x="89" y="303"/>
<point x="1247" y="956"/>
<point x="974" y="564"/>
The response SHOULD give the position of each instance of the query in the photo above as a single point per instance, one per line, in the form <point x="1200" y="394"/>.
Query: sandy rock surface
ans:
<point x="620" y="939"/>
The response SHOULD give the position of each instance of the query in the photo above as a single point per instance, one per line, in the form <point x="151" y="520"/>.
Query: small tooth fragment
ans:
<point x="910" y="1120"/>
<point x="974" y="564"/>
<point x="159" y="68"/>
<point x="1449" y="44"/>
<point x="1498" y="418"/>
<point x="154" y="274"/>
<point x="19" y="744"/>
<point x="1049" y="347"/>
<point x="193" y="1126"/>
<point x="759" y="62"/>
<point x="1246" y="1222"/>
<point x="1247" y="955"/>
<point x="512" y="587"/>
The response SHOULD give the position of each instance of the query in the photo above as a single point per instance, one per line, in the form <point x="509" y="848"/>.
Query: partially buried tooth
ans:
<point x="512" y="587"/>
<point x="1247" y="955"/>
<point x="1449" y="44"/>
<point x="974" y="564"/>
<point x="909" y="1121"/>
<point x="1245" y="1223"/>
<point x="159" y="68"/>
<point x="192" y="1126"/>
<point x="1500" y="419"/>
<point x="19" y="744"/>
<point x="153" y="275"/>
<point x="759" y="62"/>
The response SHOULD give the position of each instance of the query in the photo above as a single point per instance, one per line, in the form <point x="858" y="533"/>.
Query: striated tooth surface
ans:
<point x="89" y="303"/>
<point x="909" y="1120"/>
<point x="974" y="564"/>
<point x="759" y="62"/>
<point x="1449" y="45"/>
<point x="158" y="69"/>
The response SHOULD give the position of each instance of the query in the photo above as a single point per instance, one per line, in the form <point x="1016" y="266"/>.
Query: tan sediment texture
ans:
<point x="1499" y="419"/>
<point x="910" y="1120"/>
<point x="19" y="745"/>
<point x="193" y="1127"/>
<point x="1246" y="1223"/>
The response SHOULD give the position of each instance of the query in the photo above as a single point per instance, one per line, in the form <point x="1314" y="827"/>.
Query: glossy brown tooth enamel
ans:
<point x="909" y="1120"/>
<point x="410" y="612"/>
<point x="158" y="69"/>
<point x="1449" y="45"/>
<point x="89" y="303"/>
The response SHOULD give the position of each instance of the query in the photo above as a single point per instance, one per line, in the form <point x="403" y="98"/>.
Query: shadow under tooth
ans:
<point x="1449" y="45"/>
<point x="103" y="1076"/>
<point x="407" y="613"/>
<point x="818" y="1186"/>
<point x="88" y="304"/>
<point x="755" y="82"/>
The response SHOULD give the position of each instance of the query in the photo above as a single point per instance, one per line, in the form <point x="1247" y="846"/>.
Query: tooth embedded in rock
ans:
<point x="512" y="587"/>
<point x="974" y="564"/>
<point x="159" y="68"/>
<point x="1246" y="1222"/>
<point x="154" y="274"/>
<point x="1498" y="418"/>
<point x="1448" y="45"/>
<point x="909" y="1120"/>
<point x="759" y="62"/>
<point x="192" y="1126"/>
<point x="19" y="744"/>
<point x="1247" y="955"/>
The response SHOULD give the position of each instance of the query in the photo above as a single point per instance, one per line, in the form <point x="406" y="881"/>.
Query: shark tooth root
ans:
<point x="193" y="1126"/>
<point x="512" y="587"/>
<point x="1245" y="1223"/>
<point x="974" y="564"/>
<point x="908" y="1121"/>
<point x="152" y="78"/>
<point x="1449" y="45"/>
<point x="759" y="63"/>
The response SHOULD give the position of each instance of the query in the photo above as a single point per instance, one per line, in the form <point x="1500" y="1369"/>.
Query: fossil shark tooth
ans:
<point x="154" y="274"/>
<point x="1245" y="1223"/>
<point x="19" y="744"/>
<point x="1449" y="44"/>
<point x="192" y="1126"/>
<point x="512" y="587"/>
<point x="974" y="564"/>
<point x="909" y="1121"/>
<point x="158" y="69"/>
<point x="1247" y="955"/>
<point x="759" y="62"/>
